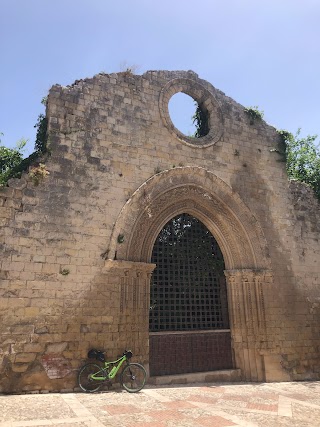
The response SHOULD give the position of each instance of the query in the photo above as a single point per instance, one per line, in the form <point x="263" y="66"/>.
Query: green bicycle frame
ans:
<point x="118" y="363"/>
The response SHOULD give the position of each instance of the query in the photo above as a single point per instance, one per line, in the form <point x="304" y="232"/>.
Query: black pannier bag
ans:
<point x="96" y="354"/>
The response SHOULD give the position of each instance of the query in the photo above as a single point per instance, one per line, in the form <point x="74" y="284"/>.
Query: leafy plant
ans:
<point x="254" y="113"/>
<point x="285" y="135"/>
<point x="285" y="138"/>
<point x="302" y="157"/>
<point x="40" y="145"/>
<point x="12" y="163"/>
<point x="38" y="173"/>
<point x="128" y="69"/>
<point x="303" y="160"/>
<point x="201" y="122"/>
<point x="10" y="158"/>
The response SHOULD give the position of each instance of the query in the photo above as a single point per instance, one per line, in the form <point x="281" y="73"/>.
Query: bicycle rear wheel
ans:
<point x="133" y="377"/>
<point x="86" y="383"/>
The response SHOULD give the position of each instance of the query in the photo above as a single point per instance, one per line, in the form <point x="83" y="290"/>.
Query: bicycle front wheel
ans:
<point x="133" y="377"/>
<point x="85" y="380"/>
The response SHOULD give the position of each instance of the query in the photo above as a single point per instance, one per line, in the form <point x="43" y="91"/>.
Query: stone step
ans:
<point x="227" y="375"/>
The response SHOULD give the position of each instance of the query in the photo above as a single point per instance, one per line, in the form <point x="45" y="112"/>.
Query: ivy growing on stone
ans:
<point x="254" y="114"/>
<point x="41" y="143"/>
<point x="201" y="122"/>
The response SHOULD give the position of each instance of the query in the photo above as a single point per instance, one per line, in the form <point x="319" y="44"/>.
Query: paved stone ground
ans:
<point x="201" y="405"/>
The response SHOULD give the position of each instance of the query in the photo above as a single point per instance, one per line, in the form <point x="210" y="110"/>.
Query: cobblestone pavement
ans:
<point x="201" y="405"/>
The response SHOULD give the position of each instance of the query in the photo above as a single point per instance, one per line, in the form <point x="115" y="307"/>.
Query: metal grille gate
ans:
<point x="189" y="328"/>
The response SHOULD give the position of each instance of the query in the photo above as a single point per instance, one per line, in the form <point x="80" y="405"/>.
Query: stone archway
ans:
<point x="200" y="193"/>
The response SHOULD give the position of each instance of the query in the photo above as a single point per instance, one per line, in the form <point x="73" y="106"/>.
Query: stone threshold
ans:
<point x="227" y="375"/>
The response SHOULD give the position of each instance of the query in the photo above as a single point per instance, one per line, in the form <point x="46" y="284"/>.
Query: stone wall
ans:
<point x="75" y="250"/>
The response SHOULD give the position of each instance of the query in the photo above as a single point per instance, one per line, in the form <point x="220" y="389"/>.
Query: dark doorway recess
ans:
<point x="189" y="324"/>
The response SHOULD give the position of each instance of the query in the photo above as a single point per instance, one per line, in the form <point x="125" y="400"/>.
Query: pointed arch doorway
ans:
<point x="188" y="321"/>
<point x="247" y="264"/>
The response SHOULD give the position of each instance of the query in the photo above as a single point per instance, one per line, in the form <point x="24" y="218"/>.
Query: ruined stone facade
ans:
<point x="76" y="249"/>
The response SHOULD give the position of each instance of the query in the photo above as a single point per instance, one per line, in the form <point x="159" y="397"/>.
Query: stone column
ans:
<point x="247" y="319"/>
<point x="134" y="301"/>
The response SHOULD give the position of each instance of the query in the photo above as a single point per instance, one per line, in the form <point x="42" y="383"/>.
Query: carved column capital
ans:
<point x="249" y="274"/>
<point x="134" y="288"/>
<point x="132" y="268"/>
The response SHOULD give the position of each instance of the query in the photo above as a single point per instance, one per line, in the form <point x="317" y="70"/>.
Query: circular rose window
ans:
<point x="201" y="108"/>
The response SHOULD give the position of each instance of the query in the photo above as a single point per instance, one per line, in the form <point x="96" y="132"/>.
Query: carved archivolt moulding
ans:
<point x="205" y="99"/>
<point x="200" y="193"/>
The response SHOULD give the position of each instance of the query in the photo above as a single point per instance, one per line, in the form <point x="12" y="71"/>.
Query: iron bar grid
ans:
<point x="188" y="290"/>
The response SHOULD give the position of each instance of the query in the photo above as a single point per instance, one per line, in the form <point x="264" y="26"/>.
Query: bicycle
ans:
<point x="91" y="376"/>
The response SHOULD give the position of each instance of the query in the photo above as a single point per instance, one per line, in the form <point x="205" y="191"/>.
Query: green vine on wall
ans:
<point x="201" y="121"/>
<point x="285" y="139"/>
<point x="41" y="143"/>
<point x="254" y="114"/>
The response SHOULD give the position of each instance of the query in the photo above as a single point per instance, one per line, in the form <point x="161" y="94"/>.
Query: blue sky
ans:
<point x="264" y="53"/>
